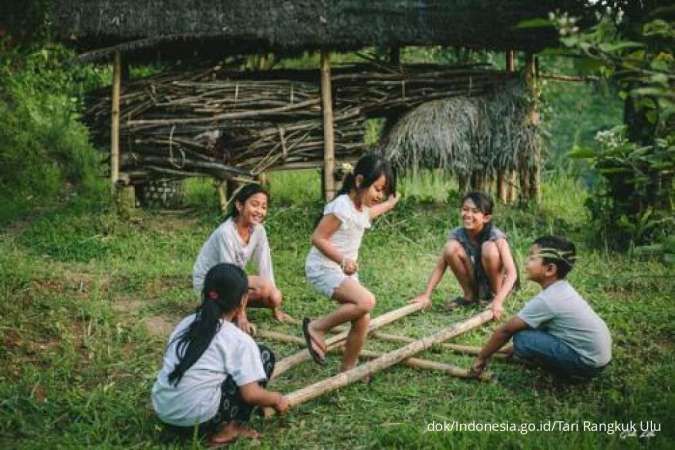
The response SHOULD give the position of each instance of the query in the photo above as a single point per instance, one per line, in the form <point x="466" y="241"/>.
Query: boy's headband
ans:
<point x="566" y="256"/>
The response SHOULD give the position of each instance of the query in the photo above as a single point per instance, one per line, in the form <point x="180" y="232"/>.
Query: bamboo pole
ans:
<point x="458" y="348"/>
<point x="328" y="128"/>
<point x="115" y="122"/>
<point x="332" y="342"/>
<point x="535" y="167"/>
<point x="387" y="360"/>
<point x="506" y="178"/>
<point x="416" y="363"/>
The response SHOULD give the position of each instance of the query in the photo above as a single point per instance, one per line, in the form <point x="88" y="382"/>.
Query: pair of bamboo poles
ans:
<point x="381" y="361"/>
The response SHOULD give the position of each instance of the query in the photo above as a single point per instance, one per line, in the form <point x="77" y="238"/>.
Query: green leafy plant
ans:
<point x="633" y="202"/>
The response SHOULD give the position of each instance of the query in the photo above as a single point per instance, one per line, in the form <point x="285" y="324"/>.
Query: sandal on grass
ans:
<point x="311" y="343"/>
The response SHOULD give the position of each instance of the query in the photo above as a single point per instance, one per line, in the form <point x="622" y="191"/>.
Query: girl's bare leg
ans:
<point x="263" y="294"/>
<point x="356" y="302"/>
<point x="493" y="266"/>
<point x="459" y="263"/>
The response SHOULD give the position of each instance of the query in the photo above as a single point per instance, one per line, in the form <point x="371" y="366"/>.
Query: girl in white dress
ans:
<point x="241" y="238"/>
<point x="332" y="263"/>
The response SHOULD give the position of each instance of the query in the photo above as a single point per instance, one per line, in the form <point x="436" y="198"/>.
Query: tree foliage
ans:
<point x="633" y="204"/>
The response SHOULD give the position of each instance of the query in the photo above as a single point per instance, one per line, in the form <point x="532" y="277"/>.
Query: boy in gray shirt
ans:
<point x="557" y="329"/>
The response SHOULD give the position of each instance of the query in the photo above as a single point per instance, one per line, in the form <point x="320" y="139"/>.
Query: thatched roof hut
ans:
<point x="487" y="133"/>
<point x="176" y="27"/>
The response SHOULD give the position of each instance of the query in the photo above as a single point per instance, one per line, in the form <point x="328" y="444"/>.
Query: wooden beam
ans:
<point x="115" y="122"/>
<point x="505" y="179"/>
<point x="334" y="341"/>
<point x="534" y="172"/>
<point x="416" y="363"/>
<point x="328" y="128"/>
<point x="458" y="348"/>
<point x="387" y="360"/>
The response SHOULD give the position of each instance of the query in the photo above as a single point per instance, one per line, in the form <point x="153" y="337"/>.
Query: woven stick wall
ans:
<point x="230" y="124"/>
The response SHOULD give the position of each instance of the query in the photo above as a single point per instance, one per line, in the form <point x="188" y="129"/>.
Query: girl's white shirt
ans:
<point x="347" y="239"/>
<point x="225" y="245"/>
<point x="196" y="397"/>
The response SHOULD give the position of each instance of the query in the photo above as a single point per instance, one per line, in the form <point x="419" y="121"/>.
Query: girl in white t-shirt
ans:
<point x="238" y="240"/>
<point x="332" y="266"/>
<point x="213" y="373"/>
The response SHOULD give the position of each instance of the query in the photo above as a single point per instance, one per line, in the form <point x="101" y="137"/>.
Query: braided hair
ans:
<point x="224" y="288"/>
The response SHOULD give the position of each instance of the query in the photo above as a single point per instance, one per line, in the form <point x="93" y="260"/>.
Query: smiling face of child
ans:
<point x="473" y="219"/>
<point x="253" y="210"/>
<point x="374" y="193"/>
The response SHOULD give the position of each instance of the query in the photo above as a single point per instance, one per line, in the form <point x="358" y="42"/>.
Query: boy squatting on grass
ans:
<point x="213" y="373"/>
<point x="557" y="329"/>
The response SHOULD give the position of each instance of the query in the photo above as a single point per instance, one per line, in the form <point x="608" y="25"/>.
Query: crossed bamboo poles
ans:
<point x="379" y="362"/>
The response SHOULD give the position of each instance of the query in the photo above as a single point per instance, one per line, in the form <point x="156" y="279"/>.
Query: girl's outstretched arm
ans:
<point x="510" y="279"/>
<point x="435" y="278"/>
<point x="385" y="206"/>
<point x="254" y="394"/>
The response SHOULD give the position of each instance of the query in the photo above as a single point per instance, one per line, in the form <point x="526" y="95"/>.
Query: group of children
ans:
<point x="214" y="373"/>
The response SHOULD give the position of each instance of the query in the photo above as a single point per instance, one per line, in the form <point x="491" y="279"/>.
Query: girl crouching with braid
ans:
<point x="213" y="373"/>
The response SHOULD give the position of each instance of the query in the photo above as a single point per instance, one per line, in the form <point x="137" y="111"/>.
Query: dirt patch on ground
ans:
<point x="160" y="326"/>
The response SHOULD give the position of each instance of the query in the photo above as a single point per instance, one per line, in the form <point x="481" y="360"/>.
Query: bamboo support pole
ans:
<point x="505" y="179"/>
<point x="535" y="167"/>
<point x="458" y="348"/>
<point x="291" y="361"/>
<point x="387" y="360"/>
<point x="416" y="363"/>
<point x="328" y="128"/>
<point x="115" y="122"/>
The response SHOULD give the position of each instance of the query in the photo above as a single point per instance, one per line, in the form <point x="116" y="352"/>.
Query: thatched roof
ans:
<point x="240" y="26"/>
<point x="486" y="133"/>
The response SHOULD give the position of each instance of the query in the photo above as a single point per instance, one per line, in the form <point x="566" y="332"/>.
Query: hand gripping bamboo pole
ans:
<point x="416" y="363"/>
<point x="387" y="360"/>
<point x="332" y="342"/>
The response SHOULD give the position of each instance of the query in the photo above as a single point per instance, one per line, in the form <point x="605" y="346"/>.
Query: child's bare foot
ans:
<point x="282" y="316"/>
<point x="248" y="432"/>
<point x="227" y="434"/>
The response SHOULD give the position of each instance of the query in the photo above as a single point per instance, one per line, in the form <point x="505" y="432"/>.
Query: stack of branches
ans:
<point x="236" y="124"/>
<point x="487" y="134"/>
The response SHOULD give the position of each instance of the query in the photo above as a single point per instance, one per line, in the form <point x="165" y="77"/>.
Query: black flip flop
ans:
<point x="309" y="341"/>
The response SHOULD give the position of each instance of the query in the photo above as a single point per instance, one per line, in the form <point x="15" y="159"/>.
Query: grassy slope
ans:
<point x="86" y="300"/>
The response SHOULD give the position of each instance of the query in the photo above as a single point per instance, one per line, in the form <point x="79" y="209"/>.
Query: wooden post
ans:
<point x="387" y="360"/>
<point x="328" y="128"/>
<point x="535" y="165"/>
<point x="222" y="196"/>
<point x="395" y="56"/>
<point x="410" y="362"/>
<point x="115" y="122"/>
<point x="505" y="178"/>
<point x="332" y="342"/>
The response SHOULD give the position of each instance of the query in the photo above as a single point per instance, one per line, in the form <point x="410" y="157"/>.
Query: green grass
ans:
<point x="85" y="298"/>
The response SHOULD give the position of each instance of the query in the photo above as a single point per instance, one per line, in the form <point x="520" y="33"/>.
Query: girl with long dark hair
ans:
<point x="478" y="255"/>
<point x="213" y="373"/>
<point x="239" y="239"/>
<point x="332" y="264"/>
